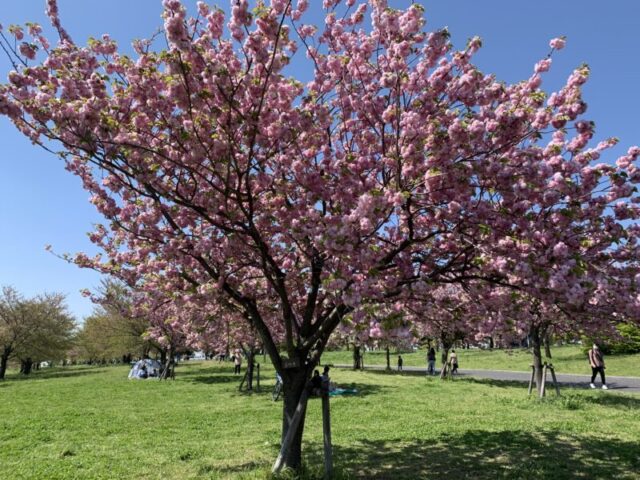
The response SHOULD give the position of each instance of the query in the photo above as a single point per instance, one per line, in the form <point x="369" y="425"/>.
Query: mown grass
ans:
<point x="566" y="359"/>
<point x="93" y="423"/>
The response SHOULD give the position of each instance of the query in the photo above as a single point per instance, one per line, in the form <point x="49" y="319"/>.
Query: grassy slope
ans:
<point x="92" y="423"/>
<point x="566" y="359"/>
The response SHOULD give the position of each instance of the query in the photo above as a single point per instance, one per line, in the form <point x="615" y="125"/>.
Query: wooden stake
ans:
<point x="544" y="379"/>
<point x="555" y="380"/>
<point x="326" y="434"/>
<point x="533" y="374"/>
<point x="246" y="373"/>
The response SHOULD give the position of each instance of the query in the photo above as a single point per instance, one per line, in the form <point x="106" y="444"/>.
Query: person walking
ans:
<point x="431" y="361"/>
<point x="237" y="363"/>
<point x="400" y="362"/>
<point x="596" y="360"/>
<point x="453" y="362"/>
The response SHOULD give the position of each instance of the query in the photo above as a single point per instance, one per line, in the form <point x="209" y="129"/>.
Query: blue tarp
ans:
<point x="152" y="369"/>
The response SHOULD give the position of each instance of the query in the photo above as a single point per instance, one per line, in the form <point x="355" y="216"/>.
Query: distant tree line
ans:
<point x="33" y="330"/>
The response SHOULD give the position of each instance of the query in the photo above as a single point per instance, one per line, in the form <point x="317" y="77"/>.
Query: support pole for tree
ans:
<point x="533" y="374"/>
<point x="258" y="377"/>
<point x="544" y="380"/>
<point x="246" y="374"/>
<point x="326" y="434"/>
<point x="555" y="380"/>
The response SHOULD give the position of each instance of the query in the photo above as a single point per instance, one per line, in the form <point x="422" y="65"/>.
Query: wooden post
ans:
<point x="533" y="374"/>
<point x="555" y="380"/>
<point x="544" y="379"/>
<point x="246" y="373"/>
<point x="258" y="377"/>
<point x="326" y="434"/>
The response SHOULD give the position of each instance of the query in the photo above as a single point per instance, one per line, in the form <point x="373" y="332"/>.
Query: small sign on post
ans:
<point x="290" y="362"/>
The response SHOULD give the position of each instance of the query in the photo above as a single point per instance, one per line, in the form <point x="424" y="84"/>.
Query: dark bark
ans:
<point x="547" y="346"/>
<point x="163" y="356"/>
<point x="294" y="385"/>
<point x="491" y="345"/>
<point x="447" y="343"/>
<point x="388" y="359"/>
<point x="357" y="357"/>
<point x="250" y="368"/>
<point x="444" y="353"/>
<point x="168" y="366"/>
<point x="4" y="360"/>
<point x="26" y="365"/>
<point x="535" y="340"/>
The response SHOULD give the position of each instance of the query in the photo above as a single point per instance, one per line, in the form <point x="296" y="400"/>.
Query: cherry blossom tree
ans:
<point x="389" y="327"/>
<point x="447" y="313"/>
<point x="400" y="164"/>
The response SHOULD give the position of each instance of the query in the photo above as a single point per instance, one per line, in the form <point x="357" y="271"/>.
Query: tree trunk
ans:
<point x="168" y="368"/>
<point x="446" y="346"/>
<point x="25" y="366"/>
<point x="444" y="353"/>
<point x="357" y="358"/>
<point x="294" y="398"/>
<point x="250" y="366"/>
<point x="547" y="346"/>
<point x="491" y="345"/>
<point x="388" y="359"/>
<point x="4" y="360"/>
<point x="163" y="356"/>
<point x="535" y="341"/>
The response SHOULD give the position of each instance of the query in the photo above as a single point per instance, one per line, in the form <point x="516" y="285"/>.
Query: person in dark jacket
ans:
<point x="431" y="361"/>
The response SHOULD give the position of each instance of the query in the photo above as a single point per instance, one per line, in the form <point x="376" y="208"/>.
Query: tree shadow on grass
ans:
<point x="501" y="383"/>
<point x="392" y="372"/>
<point x="483" y="454"/>
<point x="550" y="389"/>
<point x="57" y="373"/>
<point x="623" y="402"/>
<point x="187" y="370"/>
<point x="361" y="390"/>
<point x="235" y="469"/>
<point x="212" y="379"/>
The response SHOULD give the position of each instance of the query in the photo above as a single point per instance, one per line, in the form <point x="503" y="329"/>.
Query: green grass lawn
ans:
<point x="566" y="359"/>
<point x="93" y="423"/>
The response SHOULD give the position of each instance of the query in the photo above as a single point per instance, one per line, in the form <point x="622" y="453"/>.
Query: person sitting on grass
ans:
<point x="142" y="373"/>
<point x="315" y="384"/>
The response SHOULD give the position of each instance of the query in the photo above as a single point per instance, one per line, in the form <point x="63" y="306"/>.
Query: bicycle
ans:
<point x="277" y="388"/>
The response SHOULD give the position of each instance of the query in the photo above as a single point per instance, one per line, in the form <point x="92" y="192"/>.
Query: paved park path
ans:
<point x="616" y="384"/>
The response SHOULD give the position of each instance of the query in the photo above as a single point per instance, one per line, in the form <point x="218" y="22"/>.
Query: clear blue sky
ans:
<point x="41" y="203"/>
